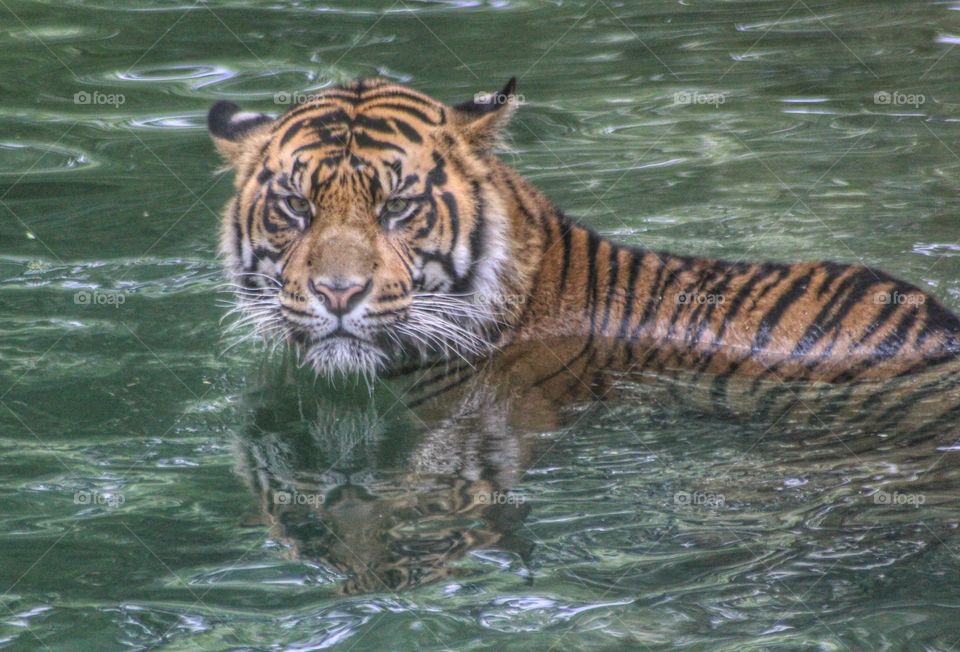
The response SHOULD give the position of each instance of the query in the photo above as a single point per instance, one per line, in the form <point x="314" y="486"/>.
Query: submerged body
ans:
<point x="375" y="227"/>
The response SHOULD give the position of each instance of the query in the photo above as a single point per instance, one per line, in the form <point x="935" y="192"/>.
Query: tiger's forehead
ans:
<point x="363" y="115"/>
<point x="365" y="132"/>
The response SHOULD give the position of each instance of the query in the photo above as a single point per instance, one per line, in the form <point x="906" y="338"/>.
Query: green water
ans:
<point x="131" y="448"/>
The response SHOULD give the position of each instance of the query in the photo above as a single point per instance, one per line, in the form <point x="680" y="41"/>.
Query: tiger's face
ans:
<point x="366" y="226"/>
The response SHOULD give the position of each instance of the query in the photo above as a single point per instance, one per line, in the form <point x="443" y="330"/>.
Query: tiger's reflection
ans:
<point x="365" y="488"/>
<point x="390" y="496"/>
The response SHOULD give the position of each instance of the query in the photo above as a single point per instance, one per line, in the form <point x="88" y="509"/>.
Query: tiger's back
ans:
<point x="657" y="311"/>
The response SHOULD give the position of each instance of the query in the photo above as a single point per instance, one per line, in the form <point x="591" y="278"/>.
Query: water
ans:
<point x="139" y="469"/>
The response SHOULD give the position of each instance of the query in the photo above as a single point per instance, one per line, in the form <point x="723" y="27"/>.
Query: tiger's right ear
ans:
<point x="236" y="132"/>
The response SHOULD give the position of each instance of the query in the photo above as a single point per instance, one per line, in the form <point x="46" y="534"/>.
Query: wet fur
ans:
<point x="488" y="263"/>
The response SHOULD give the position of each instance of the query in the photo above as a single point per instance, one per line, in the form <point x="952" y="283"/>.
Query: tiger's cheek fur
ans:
<point x="459" y="245"/>
<point x="253" y="239"/>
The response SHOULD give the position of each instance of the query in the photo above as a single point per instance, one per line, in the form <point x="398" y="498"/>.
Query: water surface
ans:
<point x="136" y="460"/>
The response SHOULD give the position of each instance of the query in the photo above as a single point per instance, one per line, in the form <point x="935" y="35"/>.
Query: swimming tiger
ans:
<point x="377" y="229"/>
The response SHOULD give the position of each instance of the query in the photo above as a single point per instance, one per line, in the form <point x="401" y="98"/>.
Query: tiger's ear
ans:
<point x="236" y="132"/>
<point x="482" y="119"/>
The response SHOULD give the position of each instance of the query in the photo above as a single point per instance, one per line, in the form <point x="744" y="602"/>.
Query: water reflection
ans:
<point x="389" y="491"/>
<point x="362" y="485"/>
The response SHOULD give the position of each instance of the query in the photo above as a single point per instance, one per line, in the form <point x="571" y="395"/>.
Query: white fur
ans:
<point x="488" y="285"/>
<point x="243" y="116"/>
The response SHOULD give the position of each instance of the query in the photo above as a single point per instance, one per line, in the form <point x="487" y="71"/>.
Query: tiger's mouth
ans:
<point x="430" y="327"/>
<point x="341" y="351"/>
<point x="344" y="354"/>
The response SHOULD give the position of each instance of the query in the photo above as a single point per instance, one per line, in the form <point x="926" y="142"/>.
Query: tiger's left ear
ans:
<point x="482" y="119"/>
<point x="236" y="132"/>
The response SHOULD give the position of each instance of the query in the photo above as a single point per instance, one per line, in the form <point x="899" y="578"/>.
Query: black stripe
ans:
<point x="317" y="105"/>
<point x="386" y="92"/>
<point x="902" y="410"/>
<point x="815" y="332"/>
<point x="237" y="231"/>
<point x="364" y="140"/>
<point x="446" y="372"/>
<point x="862" y="281"/>
<point x="438" y="175"/>
<point x="317" y="123"/>
<point x="763" y="272"/>
<point x="593" y="245"/>
<point x="370" y="123"/>
<point x="653" y="297"/>
<point x="679" y="306"/>
<point x="578" y="377"/>
<point x="419" y="115"/>
<point x="261" y="253"/>
<point x="407" y="130"/>
<point x="719" y="290"/>
<point x="770" y="320"/>
<point x="476" y="233"/>
<point x="665" y="276"/>
<point x="431" y="221"/>
<point x="886" y="349"/>
<point x="886" y="314"/>
<point x="437" y="257"/>
<point x="251" y="217"/>
<point x="265" y="175"/>
<point x="519" y="202"/>
<point x="636" y="261"/>
<point x="567" y="243"/>
<point x="613" y="276"/>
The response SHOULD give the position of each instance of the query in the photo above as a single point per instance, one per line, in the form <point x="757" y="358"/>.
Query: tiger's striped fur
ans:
<point x="408" y="239"/>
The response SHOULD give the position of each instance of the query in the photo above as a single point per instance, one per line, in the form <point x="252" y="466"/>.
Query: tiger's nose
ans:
<point x="339" y="297"/>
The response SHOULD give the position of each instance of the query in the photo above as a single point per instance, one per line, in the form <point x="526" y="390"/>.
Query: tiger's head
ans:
<point x="368" y="224"/>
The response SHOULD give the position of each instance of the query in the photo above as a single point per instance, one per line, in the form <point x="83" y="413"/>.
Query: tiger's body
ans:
<point x="375" y="226"/>
<point x="376" y="229"/>
<point x="807" y="321"/>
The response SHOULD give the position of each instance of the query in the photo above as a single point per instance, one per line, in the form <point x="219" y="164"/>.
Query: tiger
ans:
<point x="379" y="231"/>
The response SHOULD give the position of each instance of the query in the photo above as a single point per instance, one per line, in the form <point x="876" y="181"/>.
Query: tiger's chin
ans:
<point x="338" y="357"/>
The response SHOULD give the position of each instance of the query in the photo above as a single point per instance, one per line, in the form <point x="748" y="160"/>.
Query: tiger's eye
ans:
<point x="298" y="205"/>
<point x="396" y="205"/>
